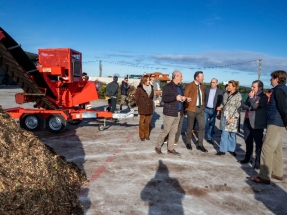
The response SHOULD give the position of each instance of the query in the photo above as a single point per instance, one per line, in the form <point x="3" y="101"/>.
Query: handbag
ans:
<point x="218" y="116"/>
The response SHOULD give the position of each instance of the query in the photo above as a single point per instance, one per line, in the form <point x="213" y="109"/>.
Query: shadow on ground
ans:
<point x="272" y="196"/>
<point x="163" y="194"/>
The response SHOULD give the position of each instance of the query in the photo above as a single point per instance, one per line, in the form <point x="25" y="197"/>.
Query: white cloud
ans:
<point x="234" y="60"/>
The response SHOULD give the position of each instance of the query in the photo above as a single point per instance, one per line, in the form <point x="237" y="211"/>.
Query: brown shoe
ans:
<point x="157" y="150"/>
<point x="260" y="180"/>
<point x="147" y="138"/>
<point x="175" y="143"/>
<point x="280" y="178"/>
<point x="173" y="152"/>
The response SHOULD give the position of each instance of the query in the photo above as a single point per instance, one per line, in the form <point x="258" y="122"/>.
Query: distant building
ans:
<point x="160" y="76"/>
<point x="134" y="76"/>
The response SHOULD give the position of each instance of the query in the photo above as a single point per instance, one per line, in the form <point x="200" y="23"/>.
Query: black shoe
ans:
<point x="244" y="161"/>
<point x="220" y="153"/>
<point x="157" y="150"/>
<point x="173" y="152"/>
<point x="188" y="146"/>
<point x="233" y="153"/>
<point x="142" y="139"/>
<point x="256" y="166"/>
<point x="201" y="148"/>
<point x="210" y="142"/>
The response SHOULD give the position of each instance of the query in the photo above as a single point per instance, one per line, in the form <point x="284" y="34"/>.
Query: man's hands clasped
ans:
<point x="183" y="98"/>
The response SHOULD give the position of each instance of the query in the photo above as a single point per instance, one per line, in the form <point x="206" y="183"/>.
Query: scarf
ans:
<point x="147" y="89"/>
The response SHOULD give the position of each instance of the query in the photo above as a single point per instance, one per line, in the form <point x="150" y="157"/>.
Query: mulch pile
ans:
<point x="33" y="178"/>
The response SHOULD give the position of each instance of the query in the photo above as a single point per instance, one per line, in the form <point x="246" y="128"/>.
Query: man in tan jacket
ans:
<point x="195" y="109"/>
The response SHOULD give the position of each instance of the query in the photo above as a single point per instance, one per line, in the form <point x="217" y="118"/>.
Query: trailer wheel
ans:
<point x="32" y="122"/>
<point x="56" y="123"/>
<point x="101" y="127"/>
<point x="75" y="122"/>
<point x="4" y="81"/>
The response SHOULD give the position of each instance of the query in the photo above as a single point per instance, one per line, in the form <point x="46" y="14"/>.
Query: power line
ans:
<point x="228" y="65"/>
<point x="163" y="68"/>
<point x="124" y="64"/>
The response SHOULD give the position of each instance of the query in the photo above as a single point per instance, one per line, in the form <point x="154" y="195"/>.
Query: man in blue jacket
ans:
<point x="172" y="96"/>
<point x="271" y="159"/>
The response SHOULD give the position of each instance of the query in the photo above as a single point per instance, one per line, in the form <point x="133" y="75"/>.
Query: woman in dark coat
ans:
<point x="144" y="100"/>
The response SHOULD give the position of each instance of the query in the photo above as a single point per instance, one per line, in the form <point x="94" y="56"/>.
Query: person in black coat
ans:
<point x="124" y="93"/>
<point x="172" y="96"/>
<point x="112" y="92"/>
<point x="254" y="121"/>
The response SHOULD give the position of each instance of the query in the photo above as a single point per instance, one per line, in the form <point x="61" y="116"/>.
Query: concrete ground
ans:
<point x="128" y="177"/>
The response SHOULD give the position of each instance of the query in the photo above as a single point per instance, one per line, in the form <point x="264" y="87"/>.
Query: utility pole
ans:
<point x="259" y="68"/>
<point x="100" y="69"/>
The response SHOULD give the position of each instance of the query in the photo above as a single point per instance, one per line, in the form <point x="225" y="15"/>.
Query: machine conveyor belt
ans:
<point x="16" y="63"/>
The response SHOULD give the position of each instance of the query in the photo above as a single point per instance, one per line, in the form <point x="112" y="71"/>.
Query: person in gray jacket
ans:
<point x="254" y="121"/>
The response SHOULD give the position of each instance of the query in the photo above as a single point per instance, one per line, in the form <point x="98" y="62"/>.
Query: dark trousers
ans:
<point x="112" y="104"/>
<point x="251" y="135"/>
<point x="199" y="115"/>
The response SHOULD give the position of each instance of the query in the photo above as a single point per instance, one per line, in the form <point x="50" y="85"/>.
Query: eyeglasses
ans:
<point x="213" y="82"/>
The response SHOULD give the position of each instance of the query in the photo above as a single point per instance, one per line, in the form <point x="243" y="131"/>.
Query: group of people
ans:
<point x="207" y="104"/>
<point x="112" y="92"/>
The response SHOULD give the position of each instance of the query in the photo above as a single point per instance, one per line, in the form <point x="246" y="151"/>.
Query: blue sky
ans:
<point x="134" y="37"/>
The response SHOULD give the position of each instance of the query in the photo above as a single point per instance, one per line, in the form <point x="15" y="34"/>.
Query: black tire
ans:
<point x="32" y="122"/>
<point x="4" y="81"/>
<point x="101" y="127"/>
<point x="75" y="122"/>
<point x="56" y="123"/>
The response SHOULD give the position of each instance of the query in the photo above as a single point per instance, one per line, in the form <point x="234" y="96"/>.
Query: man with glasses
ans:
<point x="213" y="98"/>
<point x="254" y="121"/>
<point x="156" y="89"/>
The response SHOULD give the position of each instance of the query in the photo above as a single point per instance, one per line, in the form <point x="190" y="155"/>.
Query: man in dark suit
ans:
<point x="254" y="121"/>
<point x="213" y="98"/>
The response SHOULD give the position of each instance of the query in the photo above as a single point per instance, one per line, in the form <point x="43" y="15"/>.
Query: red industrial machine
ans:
<point x="55" y="85"/>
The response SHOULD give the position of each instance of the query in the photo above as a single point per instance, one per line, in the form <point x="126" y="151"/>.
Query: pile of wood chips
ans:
<point x="33" y="178"/>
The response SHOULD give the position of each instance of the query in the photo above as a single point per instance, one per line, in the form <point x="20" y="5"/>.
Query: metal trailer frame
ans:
<point x="56" y="87"/>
